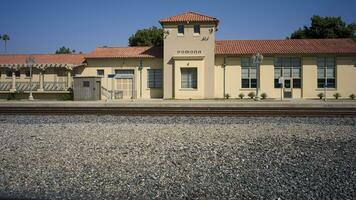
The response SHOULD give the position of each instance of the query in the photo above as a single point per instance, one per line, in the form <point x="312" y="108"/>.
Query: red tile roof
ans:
<point x="75" y="59"/>
<point x="292" y="46"/>
<point x="126" y="52"/>
<point x="189" y="17"/>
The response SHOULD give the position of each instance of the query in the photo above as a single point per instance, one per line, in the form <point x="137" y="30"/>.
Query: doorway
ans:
<point x="287" y="90"/>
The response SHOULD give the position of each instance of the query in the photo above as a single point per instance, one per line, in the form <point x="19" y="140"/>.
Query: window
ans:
<point x="86" y="84"/>
<point x="326" y="72"/>
<point x="154" y="78"/>
<point x="289" y="68"/>
<point x="189" y="78"/>
<point x="100" y="72"/>
<point x="248" y="73"/>
<point x="196" y="29"/>
<point x="17" y="73"/>
<point x="8" y="73"/>
<point x="181" y="29"/>
<point x="27" y="73"/>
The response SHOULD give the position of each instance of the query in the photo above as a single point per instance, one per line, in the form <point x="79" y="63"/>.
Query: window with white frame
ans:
<point x="181" y="29"/>
<point x="189" y="78"/>
<point x="100" y="72"/>
<point x="326" y="72"/>
<point x="288" y="68"/>
<point x="248" y="73"/>
<point x="155" y="78"/>
<point x="197" y="29"/>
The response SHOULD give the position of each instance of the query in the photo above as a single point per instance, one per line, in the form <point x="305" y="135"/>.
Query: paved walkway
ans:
<point x="183" y="103"/>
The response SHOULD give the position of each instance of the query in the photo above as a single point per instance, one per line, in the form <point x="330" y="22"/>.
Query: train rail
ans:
<point x="190" y="111"/>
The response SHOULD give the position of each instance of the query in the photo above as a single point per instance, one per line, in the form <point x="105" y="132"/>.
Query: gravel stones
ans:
<point x="133" y="157"/>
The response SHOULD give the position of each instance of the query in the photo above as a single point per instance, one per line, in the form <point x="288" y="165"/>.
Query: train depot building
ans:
<point x="191" y="64"/>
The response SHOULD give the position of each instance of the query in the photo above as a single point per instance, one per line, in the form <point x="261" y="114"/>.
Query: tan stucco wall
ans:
<point x="205" y="42"/>
<point x="184" y="93"/>
<point x="110" y="65"/>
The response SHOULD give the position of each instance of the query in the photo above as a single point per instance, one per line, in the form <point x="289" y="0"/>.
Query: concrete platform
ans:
<point x="184" y="103"/>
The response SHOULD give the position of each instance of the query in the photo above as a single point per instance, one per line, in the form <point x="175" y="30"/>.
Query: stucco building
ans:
<point x="192" y="64"/>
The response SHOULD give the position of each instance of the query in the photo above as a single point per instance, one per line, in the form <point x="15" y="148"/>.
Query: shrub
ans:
<point x="321" y="95"/>
<point x="352" y="96"/>
<point x="263" y="95"/>
<point x="241" y="95"/>
<point x="251" y="95"/>
<point x="337" y="95"/>
<point x="66" y="97"/>
<point x="227" y="96"/>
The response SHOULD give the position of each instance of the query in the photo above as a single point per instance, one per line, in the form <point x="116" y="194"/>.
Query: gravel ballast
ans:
<point x="133" y="157"/>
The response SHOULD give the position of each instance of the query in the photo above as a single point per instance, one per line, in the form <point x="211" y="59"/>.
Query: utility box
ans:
<point x="87" y="88"/>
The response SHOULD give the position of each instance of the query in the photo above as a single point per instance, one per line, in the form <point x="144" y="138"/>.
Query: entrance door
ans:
<point x="124" y="88"/>
<point x="287" y="92"/>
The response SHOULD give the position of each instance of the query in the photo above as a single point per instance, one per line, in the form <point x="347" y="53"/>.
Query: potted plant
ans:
<point x="337" y="95"/>
<point x="251" y="95"/>
<point x="263" y="95"/>
<point x="241" y="95"/>
<point x="227" y="96"/>
<point x="321" y="95"/>
<point x="352" y="96"/>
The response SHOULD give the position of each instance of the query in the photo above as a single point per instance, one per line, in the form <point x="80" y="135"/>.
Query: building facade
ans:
<point x="192" y="64"/>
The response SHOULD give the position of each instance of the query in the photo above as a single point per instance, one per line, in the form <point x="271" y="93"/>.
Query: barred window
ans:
<point x="248" y="73"/>
<point x="326" y="72"/>
<point x="100" y="72"/>
<point x="189" y="78"/>
<point x="288" y="68"/>
<point x="155" y="78"/>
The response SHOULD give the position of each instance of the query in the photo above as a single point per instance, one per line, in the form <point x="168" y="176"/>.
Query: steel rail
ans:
<point x="199" y="111"/>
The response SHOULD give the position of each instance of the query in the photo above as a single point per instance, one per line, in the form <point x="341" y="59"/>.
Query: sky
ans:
<point x="42" y="26"/>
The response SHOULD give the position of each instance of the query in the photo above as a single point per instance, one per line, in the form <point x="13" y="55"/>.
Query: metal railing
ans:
<point x="5" y="86"/>
<point x="55" y="86"/>
<point x="25" y="86"/>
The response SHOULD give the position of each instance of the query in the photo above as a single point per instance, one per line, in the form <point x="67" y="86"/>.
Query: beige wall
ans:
<point x="50" y="75"/>
<point x="110" y="65"/>
<point x="205" y="43"/>
<point x="345" y="75"/>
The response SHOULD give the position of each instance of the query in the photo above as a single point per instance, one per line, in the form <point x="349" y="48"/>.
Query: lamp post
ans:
<point x="30" y="61"/>
<point x="257" y="60"/>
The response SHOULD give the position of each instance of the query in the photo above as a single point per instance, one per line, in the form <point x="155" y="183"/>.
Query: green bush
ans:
<point x="263" y="95"/>
<point x="66" y="97"/>
<point x="321" y="95"/>
<point x="352" y="96"/>
<point x="251" y="95"/>
<point x="227" y="96"/>
<point x="337" y="95"/>
<point x="241" y="95"/>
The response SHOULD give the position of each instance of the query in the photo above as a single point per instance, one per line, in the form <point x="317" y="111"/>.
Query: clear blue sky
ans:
<point x="42" y="26"/>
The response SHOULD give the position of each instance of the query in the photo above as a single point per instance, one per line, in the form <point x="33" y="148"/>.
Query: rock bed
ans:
<point x="105" y="157"/>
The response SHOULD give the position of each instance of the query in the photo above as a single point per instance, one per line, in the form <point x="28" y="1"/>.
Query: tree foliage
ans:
<point x="64" y="50"/>
<point x="5" y="38"/>
<point x="147" y="37"/>
<point x="326" y="27"/>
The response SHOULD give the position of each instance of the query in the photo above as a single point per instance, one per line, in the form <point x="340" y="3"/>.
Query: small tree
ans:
<point x="64" y="50"/>
<point x="263" y="95"/>
<point x="321" y="95"/>
<point x="337" y="95"/>
<point x="227" y="96"/>
<point x="352" y="96"/>
<point x="241" y="95"/>
<point x="251" y="95"/>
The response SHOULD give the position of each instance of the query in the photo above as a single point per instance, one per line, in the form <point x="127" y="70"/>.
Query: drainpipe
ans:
<point x="224" y="77"/>
<point x="140" y="68"/>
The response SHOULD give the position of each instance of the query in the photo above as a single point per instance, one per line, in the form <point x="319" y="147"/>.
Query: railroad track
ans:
<point x="199" y="111"/>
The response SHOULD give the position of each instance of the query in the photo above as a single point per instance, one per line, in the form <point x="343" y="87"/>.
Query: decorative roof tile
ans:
<point x="289" y="46"/>
<point x="189" y="17"/>
<point x="74" y="59"/>
<point x="126" y="52"/>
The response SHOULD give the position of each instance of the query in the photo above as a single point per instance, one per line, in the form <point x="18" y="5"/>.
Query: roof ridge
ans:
<point x="40" y="54"/>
